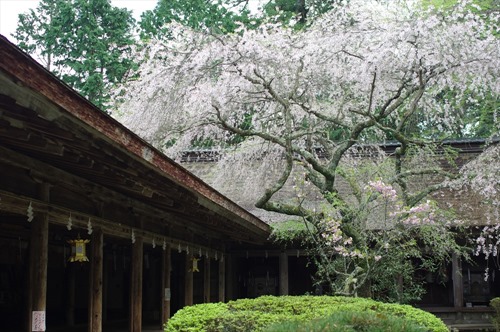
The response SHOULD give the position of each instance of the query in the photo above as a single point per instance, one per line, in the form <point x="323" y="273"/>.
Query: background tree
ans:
<point x="197" y="14"/>
<point x="85" y="42"/>
<point x="304" y="102"/>
<point x="46" y="24"/>
<point x="298" y="12"/>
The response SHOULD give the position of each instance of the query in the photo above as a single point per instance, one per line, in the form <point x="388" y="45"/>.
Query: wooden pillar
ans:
<point x="96" y="281"/>
<point x="70" y="308"/>
<point x="206" y="280"/>
<point x="105" y="284"/>
<point x="188" y="286"/>
<point x="222" y="280"/>
<point x="231" y="276"/>
<point x="166" y="284"/>
<point x="136" y="285"/>
<point x="283" y="261"/>
<point x="458" y="284"/>
<point x="39" y="243"/>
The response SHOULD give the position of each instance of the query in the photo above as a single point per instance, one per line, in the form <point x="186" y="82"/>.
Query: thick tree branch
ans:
<point x="416" y="198"/>
<point x="429" y="171"/>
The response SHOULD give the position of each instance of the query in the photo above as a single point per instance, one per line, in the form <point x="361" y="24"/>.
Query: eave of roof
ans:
<point x="463" y="145"/>
<point x="31" y="74"/>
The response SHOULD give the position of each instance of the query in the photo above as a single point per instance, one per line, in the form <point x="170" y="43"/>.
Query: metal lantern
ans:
<point x="78" y="250"/>
<point x="195" y="265"/>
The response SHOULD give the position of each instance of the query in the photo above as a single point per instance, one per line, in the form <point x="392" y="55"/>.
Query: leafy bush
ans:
<point x="343" y="321"/>
<point x="290" y="231"/>
<point x="201" y="317"/>
<point x="495" y="303"/>
<point x="261" y="313"/>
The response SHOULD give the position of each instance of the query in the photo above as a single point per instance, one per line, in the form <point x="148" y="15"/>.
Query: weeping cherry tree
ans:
<point x="307" y="104"/>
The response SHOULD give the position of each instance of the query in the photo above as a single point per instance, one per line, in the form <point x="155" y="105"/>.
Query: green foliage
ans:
<point x="495" y="303"/>
<point x="85" y="42"/>
<point x="476" y="116"/>
<point x="485" y="5"/>
<point x="290" y="231"/>
<point x="261" y="313"/>
<point x="347" y="321"/>
<point x="298" y="13"/>
<point x="201" y="317"/>
<point x="365" y="246"/>
<point x="196" y="14"/>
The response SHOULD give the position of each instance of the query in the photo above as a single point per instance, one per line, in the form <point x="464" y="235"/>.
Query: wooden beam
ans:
<point x="188" y="287"/>
<point x="96" y="281"/>
<point x="206" y="280"/>
<point x="54" y="175"/>
<point x="59" y="215"/>
<point x="39" y="262"/>
<point x="222" y="280"/>
<point x="136" y="285"/>
<point x="166" y="284"/>
<point x="270" y="253"/>
<point x="283" y="261"/>
<point x="458" y="283"/>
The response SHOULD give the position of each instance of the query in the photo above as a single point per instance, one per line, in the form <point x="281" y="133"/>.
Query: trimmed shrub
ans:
<point x="258" y="314"/>
<point x="368" y="321"/>
<point x="495" y="303"/>
<point x="201" y="317"/>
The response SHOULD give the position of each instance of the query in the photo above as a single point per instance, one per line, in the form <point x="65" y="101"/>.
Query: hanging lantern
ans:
<point x="78" y="250"/>
<point x="195" y="265"/>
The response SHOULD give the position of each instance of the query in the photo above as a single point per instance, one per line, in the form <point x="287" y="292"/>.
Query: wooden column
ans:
<point x="96" y="281"/>
<point x="70" y="308"/>
<point x="188" y="286"/>
<point x="105" y="284"/>
<point x="39" y="243"/>
<point x="136" y="285"/>
<point x="231" y="276"/>
<point x="206" y="280"/>
<point x="283" y="273"/>
<point x="166" y="280"/>
<point x="458" y="283"/>
<point x="222" y="280"/>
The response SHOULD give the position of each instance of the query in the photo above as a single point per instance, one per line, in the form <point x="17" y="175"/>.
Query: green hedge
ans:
<point x="495" y="303"/>
<point x="345" y="321"/>
<point x="261" y="313"/>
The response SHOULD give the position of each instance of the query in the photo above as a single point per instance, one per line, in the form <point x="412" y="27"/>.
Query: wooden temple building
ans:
<point x="75" y="184"/>
<point x="73" y="179"/>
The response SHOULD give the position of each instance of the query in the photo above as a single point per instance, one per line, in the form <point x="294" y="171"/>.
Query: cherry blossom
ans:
<point x="283" y="108"/>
